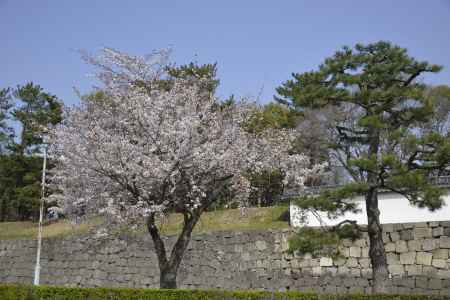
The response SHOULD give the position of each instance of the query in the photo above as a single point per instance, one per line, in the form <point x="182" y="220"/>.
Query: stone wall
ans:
<point x="418" y="257"/>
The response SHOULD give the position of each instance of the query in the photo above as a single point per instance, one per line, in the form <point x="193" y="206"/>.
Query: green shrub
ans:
<point x="24" y="292"/>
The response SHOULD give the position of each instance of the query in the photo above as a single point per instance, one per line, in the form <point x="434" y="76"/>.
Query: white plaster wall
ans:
<point x="394" y="208"/>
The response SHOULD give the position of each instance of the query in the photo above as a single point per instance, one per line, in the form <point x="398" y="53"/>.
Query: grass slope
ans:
<point x="220" y="220"/>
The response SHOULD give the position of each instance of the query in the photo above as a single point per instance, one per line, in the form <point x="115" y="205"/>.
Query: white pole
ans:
<point x="37" y="269"/>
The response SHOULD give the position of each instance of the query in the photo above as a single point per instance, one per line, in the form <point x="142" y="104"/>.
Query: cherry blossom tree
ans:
<point x="141" y="150"/>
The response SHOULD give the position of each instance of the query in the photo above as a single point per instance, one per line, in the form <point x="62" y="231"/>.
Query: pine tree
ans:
<point x="377" y="88"/>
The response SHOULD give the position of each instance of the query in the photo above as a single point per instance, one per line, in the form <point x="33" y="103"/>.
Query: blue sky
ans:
<point x="257" y="44"/>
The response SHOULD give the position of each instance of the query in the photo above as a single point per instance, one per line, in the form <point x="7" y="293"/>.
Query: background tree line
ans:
<point x="24" y="110"/>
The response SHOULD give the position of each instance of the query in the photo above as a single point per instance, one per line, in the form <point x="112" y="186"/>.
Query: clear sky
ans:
<point x="257" y="44"/>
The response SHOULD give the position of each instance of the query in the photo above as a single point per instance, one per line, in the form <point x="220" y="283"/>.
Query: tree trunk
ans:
<point x="376" y="251"/>
<point x="376" y="246"/>
<point x="168" y="279"/>
<point x="168" y="267"/>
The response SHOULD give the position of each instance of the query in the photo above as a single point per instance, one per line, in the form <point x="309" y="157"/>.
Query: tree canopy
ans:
<point x="150" y="149"/>
<point x="382" y="105"/>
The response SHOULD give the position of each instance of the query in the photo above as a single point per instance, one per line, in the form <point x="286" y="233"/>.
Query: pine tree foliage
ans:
<point x="31" y="108"/>
<point x="384" y="104"/>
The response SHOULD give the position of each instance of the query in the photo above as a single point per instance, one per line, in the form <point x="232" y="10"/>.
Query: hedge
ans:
<point x="24" y="292"/>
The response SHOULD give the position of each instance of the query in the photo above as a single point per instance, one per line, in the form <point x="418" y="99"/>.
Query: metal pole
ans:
<point x="37" y="269"/>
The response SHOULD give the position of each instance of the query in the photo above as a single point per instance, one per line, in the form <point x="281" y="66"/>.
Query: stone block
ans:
<point x="414" y="270"/>
<point x="360" y="243"/>
<point x="339" y="261"/>
<point x="429" y="271"/>
<point x="438" y="231"/>
<point x="365" y="252"/>
<point x="326" y="262"/>
<point x="439" y="263"/>
<point x="347" y="242"/>
<point x="443" y="273"/>
<point x="444" y="242"/>
<point x="388" y="227"/>
<point x="396" y="270"/>
<point x="385" y="237"/>
<point x="401" y="246"/>
<point x="355" y="251"/>
<point x="317" y="271"/>
<point x="424" y="258"/>
<point x="435" y="284"/>
<point x="406" y="235"/>
<point x="355" y="272"/>
<point x="430" y="244"/>
<point x="408" y="258"/>
<point x="420" y="225"/>
<point x="422" y="232"/>
<point x="392" y="259"/>
<point x="398" y="226"/>
<point x="389" y="247"/>
<point x="345" y="251"/>
<point x="364" y="262"/>
<point x="440" y="253"/>
<point x="343" y="270"/>
<point x="352" y="262"/>
<point x="414" y="245"/>
<point x="366" y="273"/>
<point x="422" y="282"/>
<point x="261" y="245"/>
<point x="433" y="224"/>
<point x="395" y="236"/>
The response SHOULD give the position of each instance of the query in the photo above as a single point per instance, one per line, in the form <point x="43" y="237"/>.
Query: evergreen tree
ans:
<point x="37" y="109"/>
<point x="6" y="132"/>
<point x="20" y="167"/>
<point x="376" y="87"/>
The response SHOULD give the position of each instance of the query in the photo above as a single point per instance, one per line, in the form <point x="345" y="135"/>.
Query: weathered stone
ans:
<point x="444" y="242"/>
<point x="422" y="232"/>
<point x="439" y="263"/>
<point x="430" y="244"/>
<point x="365" y="252"/>
<point x="385" y="237"/>
<point x="422" y="282"/>
<point x="389" y="247"/>
<point x="435" y="284"/>
<point x="364" y="262"/>
<point x="343" y="270"/>
<point x="345" y="251"/>
<point x="261" y="245"/>
<point x="398" y="226"/>
<point x="424" y="258"/>
<point x="352" y="262"/>
<point x="388" y="227"/>
<point x="443" y="273"/>
<point x="420" y="225"/>
<point x="414" y="270"/>
<point x="339" y="261"/>
<point x="396" y="269"/>
<point x="406" y="235"/>
<point x="440" y="253"/>
<point x="326" y="262"/>
<point x="408" y="258"/>
<point x="414" y="245"/>
<point x="395" y="236"/>
<point x="317" y="271"/>
<point x="438" y="231"/>
<point x="401" y="246"/>
<point x="355" y="251"/>
<point x="355" y="272"/>
<point x="433" y="224"/>
<point x="392" y="258"/>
